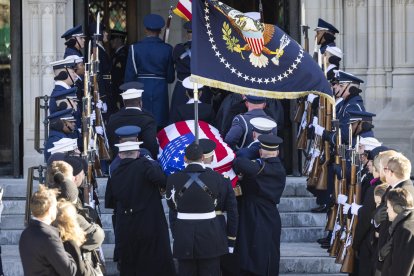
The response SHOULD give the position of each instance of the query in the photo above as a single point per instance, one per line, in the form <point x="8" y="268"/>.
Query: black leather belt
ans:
<point x="106" y="77"/>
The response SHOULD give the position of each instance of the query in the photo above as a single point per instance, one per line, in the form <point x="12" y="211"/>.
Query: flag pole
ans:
<point x="196" y="112"/>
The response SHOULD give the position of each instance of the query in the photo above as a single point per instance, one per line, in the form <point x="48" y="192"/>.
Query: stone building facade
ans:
<point x="375" y="36"/>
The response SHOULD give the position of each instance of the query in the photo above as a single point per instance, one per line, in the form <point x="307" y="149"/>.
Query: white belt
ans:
<point x="149" y="76"/>
<point x="194" y="216"/>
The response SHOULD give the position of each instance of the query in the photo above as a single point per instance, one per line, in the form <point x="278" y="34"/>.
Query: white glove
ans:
<point x="318" y="130"/>
<point x="354" y="208"/>
<point x="231" y="250"/>
<point x="342" y="199"/>
<point x="346" y="208"/>
<point x="315" y="120"/>
<point x="99" y="130"/>
<point x="311" y="98"/>
<point x="102" y="106"/>
<point x="92" y="118"/>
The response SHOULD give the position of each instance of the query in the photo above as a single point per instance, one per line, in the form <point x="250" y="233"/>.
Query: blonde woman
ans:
<point x="71" y="234"/>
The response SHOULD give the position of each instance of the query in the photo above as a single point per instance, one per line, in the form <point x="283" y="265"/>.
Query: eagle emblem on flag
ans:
<point x="255" y="34"/>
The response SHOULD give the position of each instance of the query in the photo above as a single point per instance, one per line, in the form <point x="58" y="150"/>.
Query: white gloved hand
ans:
<point x="354" y="208"/>
<point x="315" y="120"/>
<point x="311" y="98"/>
<point x="102" y="106"/>
<point x="99" y="130"/>
<point x="92" y="118"/>
<point x="346" y="208"/>
<point x="231" y="250"/>
<point x="318" y="130"/>
<point x="342" y="199"/>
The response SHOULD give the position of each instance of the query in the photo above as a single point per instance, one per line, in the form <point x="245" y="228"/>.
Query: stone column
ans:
<point x="44" y="22"/>
<point x="395" y="122"/>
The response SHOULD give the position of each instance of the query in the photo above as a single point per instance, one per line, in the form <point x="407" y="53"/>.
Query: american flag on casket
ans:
<point x="174" y="138"/>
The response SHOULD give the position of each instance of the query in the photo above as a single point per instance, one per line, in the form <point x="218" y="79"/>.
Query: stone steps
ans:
<point x="300" y="228"/>
<point x="296" y="257"/>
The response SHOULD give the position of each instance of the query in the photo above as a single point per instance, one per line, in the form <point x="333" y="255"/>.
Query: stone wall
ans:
<point x="43" y="23"/>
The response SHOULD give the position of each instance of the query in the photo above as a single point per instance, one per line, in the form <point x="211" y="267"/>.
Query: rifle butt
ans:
<point x="302" y="140"/>
<point x="348" y="264"/>
<point x="103" y="151"/>
<point x="330" y="225"/>
<point x="339" y="258"/>
<point x="335" y="247"/>
<point x="323" y="178"/>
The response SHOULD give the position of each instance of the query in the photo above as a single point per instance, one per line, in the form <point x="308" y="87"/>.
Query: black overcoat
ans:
<point x="141" y="230"/>
<point x="258" y="240"/>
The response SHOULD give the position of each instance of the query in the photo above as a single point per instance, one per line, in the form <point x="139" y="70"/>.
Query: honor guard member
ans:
<point x="150" y="62"/>
<point x="61" y="125"/>
<point x="333" y="58"/>
<point x="141" y="230"/>
<point x="241" y="132"/>
<point x="348" y="89"/>
<point x="133" y="114"/>
<point x="262" y="184"/>
<point x="75" y="41"/>
<point x="104" y="75"/>
<point x="125" y="134"/>
<point x="192" y="194"/>
<point x="65" y="78"/>
<point x="260" y="126"/>
<point x="182" y="62"/>
<point x="185" y="111"/>
<point x="325" y="36"/>
<point x="119" y="59"/>
<point x="226" y="208"/>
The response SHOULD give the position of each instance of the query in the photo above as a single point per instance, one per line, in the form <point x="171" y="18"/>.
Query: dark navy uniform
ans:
<point x="141" y="230"/>
<point x="182" y="61"/>
<point x="262" y="184"/>
<point x="119" y="60"/>
<point x="60" y="91"/>
<point x="240" y="133"/>
<point x="56" y="129"/>
<point x="135" y="117"/>
<point x="150" y="62"/>
<point x="186" y="112"/>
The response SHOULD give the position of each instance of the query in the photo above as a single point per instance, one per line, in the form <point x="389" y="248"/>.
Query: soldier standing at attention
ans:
<point x="150" y="62"/>
<point x="75" y="41"/>
<point x="119" y="59"/>
<point x="263" y="182"/>
<point x="192" y="195"/>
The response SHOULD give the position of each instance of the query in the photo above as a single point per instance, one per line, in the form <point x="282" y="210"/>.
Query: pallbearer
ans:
<point x="141" y="230"/>
<point x="263" y="182"/>
<point x="260" y="126"/>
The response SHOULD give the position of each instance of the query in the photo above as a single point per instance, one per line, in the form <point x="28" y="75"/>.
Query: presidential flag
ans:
<point x="235" y="52"/>
<point x="183" y="9"/>
<point x="174" y="138"/>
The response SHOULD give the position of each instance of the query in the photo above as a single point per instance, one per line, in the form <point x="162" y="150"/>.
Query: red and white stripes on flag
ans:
<point x="256" y="44"/>
<point x="183" y="9"/>
<point x="223" y="154"/>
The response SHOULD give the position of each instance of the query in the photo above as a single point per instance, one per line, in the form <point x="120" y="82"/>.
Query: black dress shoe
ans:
<point x="320" y="209"/>
<point x="322" y="240"/>
<point x="326" y="245"/>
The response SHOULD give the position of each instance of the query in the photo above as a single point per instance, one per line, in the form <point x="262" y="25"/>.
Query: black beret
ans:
<point x="75" y="162"/>
<point x="194" y="152"/>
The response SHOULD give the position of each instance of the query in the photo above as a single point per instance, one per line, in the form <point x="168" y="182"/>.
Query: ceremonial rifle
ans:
<point x="348" y="264"/>
<point x="303" y="129"/>
<point x="323" y="177"/>
<point x="305" y="29"/>
<point x="167" y="25"/>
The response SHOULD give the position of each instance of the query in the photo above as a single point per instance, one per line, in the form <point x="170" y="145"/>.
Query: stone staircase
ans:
<point x="301" y="255"/>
